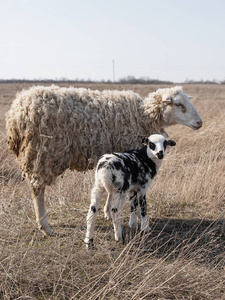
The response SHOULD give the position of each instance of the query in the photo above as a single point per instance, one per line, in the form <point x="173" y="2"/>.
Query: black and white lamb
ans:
<point x="128" y="173"/>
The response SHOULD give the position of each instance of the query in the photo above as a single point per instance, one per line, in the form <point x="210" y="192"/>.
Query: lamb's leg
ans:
<point x="144" y="221"/>
<point x="133" y="208"/>
<point x="107" y="207"/>
<point x="96" y="194"/>
<point x="116" y="215"/>
<point x="39" y="207"/>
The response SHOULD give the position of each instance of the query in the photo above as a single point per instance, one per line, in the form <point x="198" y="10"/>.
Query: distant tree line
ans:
<point x="125" y="80"/>
<point x="142" y="80"/>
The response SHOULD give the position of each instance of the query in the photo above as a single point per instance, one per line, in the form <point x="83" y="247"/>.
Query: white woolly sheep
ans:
<point x="122" y="174"/>
<point x="51" y="129"/>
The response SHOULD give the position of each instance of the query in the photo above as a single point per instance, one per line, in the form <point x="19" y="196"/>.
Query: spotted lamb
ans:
<point x="128" y="173"/>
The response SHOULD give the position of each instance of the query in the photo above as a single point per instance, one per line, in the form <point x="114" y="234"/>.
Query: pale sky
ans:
<point x="164" y="39"/>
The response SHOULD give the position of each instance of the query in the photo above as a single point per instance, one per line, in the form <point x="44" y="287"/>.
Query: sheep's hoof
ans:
<point x="89" y="243"/>
<point x="47" y="232"/>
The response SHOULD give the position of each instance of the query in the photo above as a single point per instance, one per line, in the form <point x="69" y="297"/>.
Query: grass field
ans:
<point x="183" y="257"/>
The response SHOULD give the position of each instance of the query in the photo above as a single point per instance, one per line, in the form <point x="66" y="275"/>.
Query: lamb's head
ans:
<point x="156" y="145"/>
<point x="179" y="109"/>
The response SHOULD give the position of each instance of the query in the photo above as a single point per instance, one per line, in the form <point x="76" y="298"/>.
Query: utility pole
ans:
<point x="113" y="70"/>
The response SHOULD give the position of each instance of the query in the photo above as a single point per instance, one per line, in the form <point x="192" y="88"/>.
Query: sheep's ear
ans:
<point x="145" y="141"/>
<point x="167" y="100"/>
<point x="171" y="143"/>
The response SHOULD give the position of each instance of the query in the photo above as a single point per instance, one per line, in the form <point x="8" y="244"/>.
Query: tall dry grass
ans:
<point x="181" y="258"/>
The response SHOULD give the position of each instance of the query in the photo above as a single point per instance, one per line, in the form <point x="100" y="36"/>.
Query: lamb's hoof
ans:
<point x="146" y="229"/>
<point x="120" y="239"/>
<point x="133" y="225"/>
<point x="107" y="216"/>
<point x="120" y="242"/>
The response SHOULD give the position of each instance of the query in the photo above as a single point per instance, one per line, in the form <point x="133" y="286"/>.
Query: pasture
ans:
<point x="183" y="257"/>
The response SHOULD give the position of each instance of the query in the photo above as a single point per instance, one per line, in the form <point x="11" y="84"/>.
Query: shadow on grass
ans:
<point x="171" y="238"/>
<point x="196" y="239"/>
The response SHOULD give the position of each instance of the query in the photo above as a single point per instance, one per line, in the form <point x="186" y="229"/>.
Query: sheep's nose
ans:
<point x="199" y="123"/>
<point x="160" y="154"/>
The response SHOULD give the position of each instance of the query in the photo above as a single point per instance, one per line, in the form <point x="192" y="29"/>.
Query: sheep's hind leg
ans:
<point x="39" y="207"/>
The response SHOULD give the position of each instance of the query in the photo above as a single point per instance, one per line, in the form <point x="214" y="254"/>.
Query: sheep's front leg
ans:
<point x="39" y="207"/>
<point x="144" y="221"/>
<point x="133" y="208"/>
<point x="116" y="215"/>
<point x="96" y="194"/>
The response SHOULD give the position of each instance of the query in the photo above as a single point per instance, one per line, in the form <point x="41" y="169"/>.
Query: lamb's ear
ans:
<point x="145" y="141"/>
<point x="171" y="143"/>
<point x="168" y="100"/>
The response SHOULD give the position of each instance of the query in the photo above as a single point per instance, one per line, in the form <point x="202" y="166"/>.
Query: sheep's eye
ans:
<point x="181" y="105"/>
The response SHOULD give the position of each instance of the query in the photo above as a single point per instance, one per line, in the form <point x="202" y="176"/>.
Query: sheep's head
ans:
<point x="180" y="110"/>
<point x="156" y="145"/>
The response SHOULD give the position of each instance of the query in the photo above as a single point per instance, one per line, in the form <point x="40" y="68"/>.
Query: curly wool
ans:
<point x="51" y="129"/>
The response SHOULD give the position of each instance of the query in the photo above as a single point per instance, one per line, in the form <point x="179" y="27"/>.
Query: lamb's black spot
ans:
<point x="101" y="165"/>
<point x="118" y="165"/>
<point x="114" y="209"/>
<point x="152" y="146"/>
<point x="110" y="166"/>
<point x="165" y="143"/>
<point x="143" y="165"/>
<point x="134" y="200"/>
<point x="113" y="178"/>
<point x="126" y="184"/>
<point x="143" y="206"/>
<point x="93" y="208"/>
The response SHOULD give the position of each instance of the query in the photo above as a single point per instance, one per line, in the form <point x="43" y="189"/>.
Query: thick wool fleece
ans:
<point x="51" y="129"/>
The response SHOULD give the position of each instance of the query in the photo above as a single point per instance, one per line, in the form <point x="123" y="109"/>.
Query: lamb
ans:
<point x="120" y="174"/>
<point x="51" y="129"/>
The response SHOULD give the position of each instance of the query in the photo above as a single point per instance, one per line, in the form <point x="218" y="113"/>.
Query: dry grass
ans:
<point x="183" y="256"/>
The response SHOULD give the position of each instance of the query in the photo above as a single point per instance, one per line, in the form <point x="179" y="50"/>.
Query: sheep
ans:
<point x="120" y="174"/>
<point x="51" y="129"/>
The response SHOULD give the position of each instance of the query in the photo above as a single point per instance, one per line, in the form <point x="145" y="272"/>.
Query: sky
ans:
<point x="171" y="40"/>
